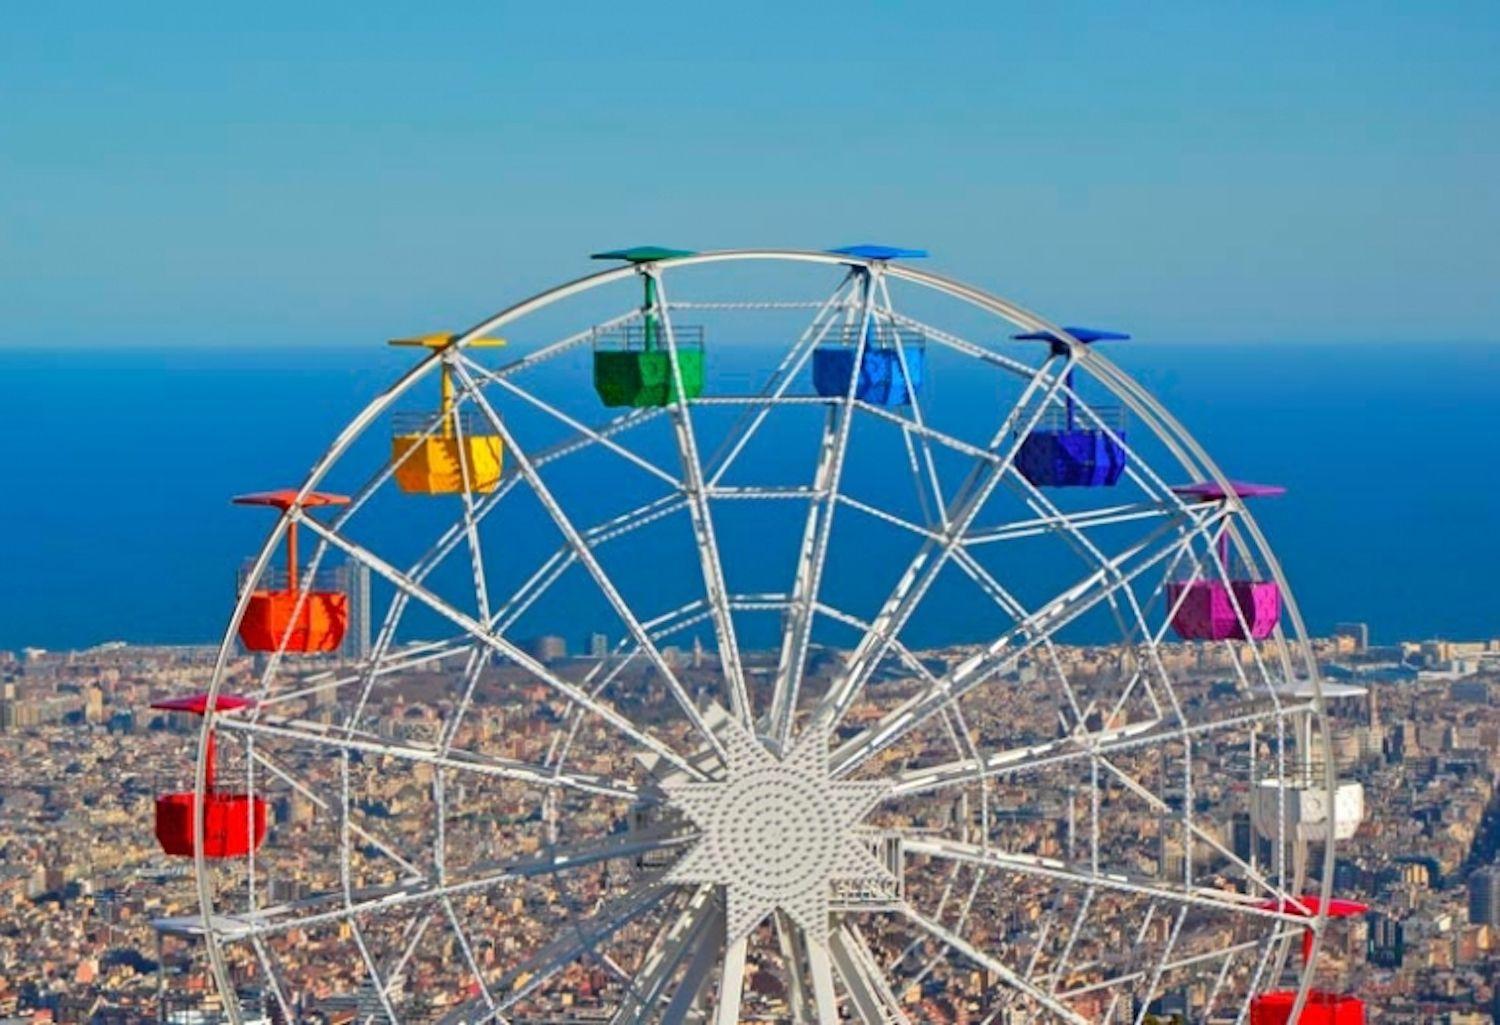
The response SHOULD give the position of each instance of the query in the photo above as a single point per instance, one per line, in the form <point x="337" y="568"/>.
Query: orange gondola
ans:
<point x="309" y="621"/>
<point x="234" y="824"/>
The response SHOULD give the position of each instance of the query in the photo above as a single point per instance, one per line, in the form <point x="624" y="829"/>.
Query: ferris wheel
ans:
<point x="922" y="667"/>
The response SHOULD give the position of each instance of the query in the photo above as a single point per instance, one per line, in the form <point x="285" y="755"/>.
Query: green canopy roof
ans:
<point x="642" y="254"/>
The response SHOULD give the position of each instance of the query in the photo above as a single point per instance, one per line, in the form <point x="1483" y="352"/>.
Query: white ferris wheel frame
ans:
<point x="847" y="957"/>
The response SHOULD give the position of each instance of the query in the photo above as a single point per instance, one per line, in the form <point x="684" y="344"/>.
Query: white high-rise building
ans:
<point x="354" y="580"/>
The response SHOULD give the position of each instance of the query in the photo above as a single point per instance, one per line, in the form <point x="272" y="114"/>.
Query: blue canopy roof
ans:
<point x="1083" y="334"/>
<point x="641" y="254"/>
<point x="868" y="251"/>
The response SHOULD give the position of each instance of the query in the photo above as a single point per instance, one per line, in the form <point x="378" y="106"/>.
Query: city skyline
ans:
<point x="1415" y="934"/>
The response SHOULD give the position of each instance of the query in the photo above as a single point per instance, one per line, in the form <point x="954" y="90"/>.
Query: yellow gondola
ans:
<point x="445" y="453"/>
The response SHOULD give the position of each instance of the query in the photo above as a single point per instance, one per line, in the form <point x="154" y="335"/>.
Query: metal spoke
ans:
<point x="887" y="309"/>
<point x="695" y="977"/>
<point x="1161" y="964"/>
<point x="538" y="584"/>
<point x="1060" y="871"/>
<point x="693" y="488"/>
<point x="323" y="804"/>
<point x="1226" y="955"/>
<point x="320" y="735"/>
<point x="700" y="920"/>
<point x="358" y="903"/>
<point x="318" y="685"/>
<point x="579" y="938"/>
<point x="813" y="554"/>
<point x="1278" y="892"/>
<point x="1083" y="520"/>
<point x="585" y="556"/>
<point x="1005" y="650"/>
<point x="924" y="567"/>
<point x="1007" y="974"/>
<point x="864" y="981"/>
<point x="789" y="944"/>
<point x="731" y="983"/>
<point x="471" y="524"/>
<point x="775" y="388"/>
<point x="797" y="634"/>
<point x="1074" y="747"/>
<point x="580" y="429"/>
<point x="820" y="967"/>
<point x="509" y="649"/>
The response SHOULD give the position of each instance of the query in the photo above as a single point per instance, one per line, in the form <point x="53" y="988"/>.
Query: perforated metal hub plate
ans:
<point x="776" y="832"/>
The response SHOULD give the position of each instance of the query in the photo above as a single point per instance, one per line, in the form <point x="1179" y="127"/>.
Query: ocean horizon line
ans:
<point x="328" y="345"/>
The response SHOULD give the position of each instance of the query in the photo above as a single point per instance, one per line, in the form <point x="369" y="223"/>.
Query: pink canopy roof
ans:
<point x="1211" y="491"/>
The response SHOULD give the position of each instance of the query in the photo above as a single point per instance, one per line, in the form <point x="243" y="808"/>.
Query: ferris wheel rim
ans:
<point x="1167" y="428"/>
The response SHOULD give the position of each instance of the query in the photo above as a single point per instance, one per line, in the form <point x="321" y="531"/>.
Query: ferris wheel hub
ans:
<point x="777" y="833"/>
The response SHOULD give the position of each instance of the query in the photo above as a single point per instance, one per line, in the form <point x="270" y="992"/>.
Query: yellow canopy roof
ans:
<point x="443" y="338"/>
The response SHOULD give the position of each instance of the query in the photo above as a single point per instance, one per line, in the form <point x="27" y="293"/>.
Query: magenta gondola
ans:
<point x="1242" y="608"/>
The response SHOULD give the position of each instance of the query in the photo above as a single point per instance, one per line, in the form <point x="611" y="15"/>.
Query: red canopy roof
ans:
<point x="285" y="498"/>
<point x="198" y="703"/>
<point x="1336" y="908"/>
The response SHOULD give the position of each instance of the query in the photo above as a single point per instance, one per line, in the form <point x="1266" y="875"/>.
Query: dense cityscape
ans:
<point x="96" y="924"/>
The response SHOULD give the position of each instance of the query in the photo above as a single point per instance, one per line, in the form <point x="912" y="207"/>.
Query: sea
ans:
<point x="118" y="465"/>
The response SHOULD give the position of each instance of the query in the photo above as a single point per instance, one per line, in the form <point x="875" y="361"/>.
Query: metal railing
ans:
<point x="633" y="337"/>
<point x="470" y="423"/>
<point x="275" y="579"/>
<point x="878" y="336"/>
<point x="1056" y="417"/>
<point x="1237" y="568"/>
<point x="875" y="893"/>
<point x="1300" y="774"/>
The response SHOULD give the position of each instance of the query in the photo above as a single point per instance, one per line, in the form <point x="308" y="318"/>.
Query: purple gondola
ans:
<point x="1063" y="452"/>
<point x="1244" y="608"/>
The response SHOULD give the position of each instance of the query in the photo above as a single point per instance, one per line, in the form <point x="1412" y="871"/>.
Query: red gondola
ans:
<point x="233" y="824"/>
<point x="311" y="621"/>
<point x="1322" y="1007"/>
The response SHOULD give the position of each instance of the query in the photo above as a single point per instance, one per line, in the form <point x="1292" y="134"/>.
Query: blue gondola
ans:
<point x="1061" y="451"/>
<point x="883" y="370"/>
<point x="882" y="377"/>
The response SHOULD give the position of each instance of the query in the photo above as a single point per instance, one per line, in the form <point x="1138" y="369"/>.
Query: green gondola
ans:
<point x="632" y="364"/>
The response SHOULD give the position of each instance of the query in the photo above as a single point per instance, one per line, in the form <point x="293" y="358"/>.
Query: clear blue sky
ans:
<point x="278" y="172"/>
